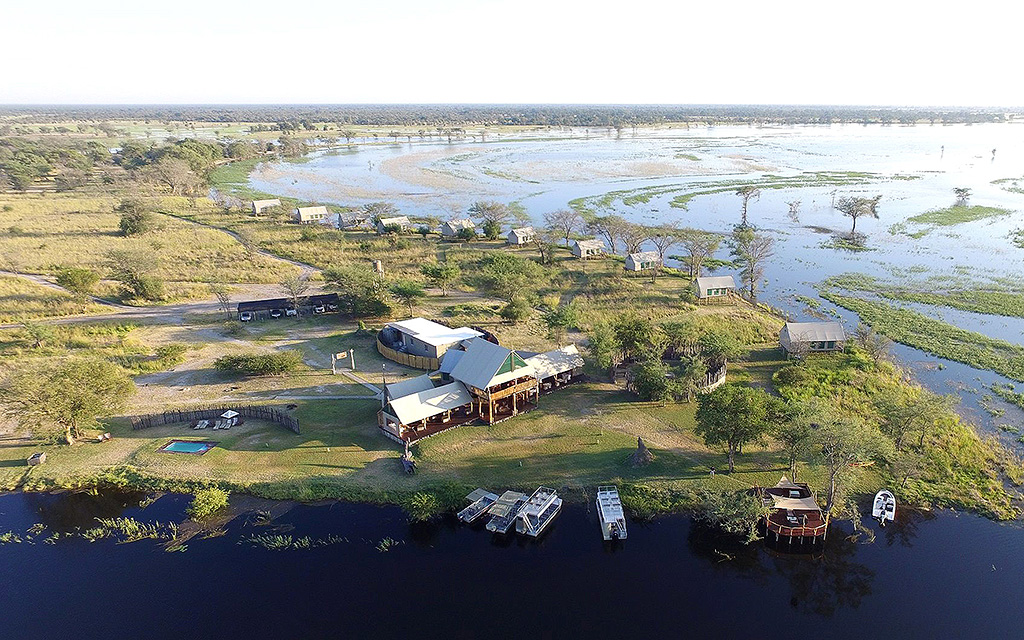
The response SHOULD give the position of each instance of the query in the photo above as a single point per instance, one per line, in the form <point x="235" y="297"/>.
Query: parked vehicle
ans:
<point x="245" y="316"/>
<point x="319" y="309"/>
<point x="291" y="312"/>
<point x="332" y="307"/>
<point x="275" y="313"/>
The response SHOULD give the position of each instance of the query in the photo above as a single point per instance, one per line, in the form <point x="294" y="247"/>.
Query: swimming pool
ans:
<point x="194" y="447"/>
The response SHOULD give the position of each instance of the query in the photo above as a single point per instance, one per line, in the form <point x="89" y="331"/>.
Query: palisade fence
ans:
<point x="174" y="416"/>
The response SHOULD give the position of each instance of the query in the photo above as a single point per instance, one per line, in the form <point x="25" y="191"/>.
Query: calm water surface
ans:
<point x="930" y="576"/>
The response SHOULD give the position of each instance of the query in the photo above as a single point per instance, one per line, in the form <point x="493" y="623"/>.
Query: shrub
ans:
<point x="422" y="506"/>
<point x="136" y="218"/>
<point x="466" y="234"/>
<point x="308" y="234"/>
<point x="258" y="364"/>
<point x="207" y="502"/>
<point x="77" y="279"/>
<point x="516" y="311"/>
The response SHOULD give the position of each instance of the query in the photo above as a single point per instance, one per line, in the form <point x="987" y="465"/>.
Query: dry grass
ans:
<point x="42" y="233"/>
<point x="22" y="299"/>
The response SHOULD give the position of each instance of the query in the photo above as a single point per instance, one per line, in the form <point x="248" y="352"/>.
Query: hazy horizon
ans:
<point x="113" y="52"/>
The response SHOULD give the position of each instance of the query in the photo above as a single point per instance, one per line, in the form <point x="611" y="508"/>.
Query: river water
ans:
<point x="546" y="170"/>
<point x="930" y="575"/>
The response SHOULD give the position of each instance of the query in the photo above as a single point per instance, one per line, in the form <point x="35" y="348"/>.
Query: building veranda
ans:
<point x="488" y="383"/>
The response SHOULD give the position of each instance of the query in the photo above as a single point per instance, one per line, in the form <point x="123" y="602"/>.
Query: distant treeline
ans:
<point x="531" y="115"/>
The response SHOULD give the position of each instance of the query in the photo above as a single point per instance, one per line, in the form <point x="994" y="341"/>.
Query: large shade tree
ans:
<point x="734" y="415"/>
<point x="69" y="394"/>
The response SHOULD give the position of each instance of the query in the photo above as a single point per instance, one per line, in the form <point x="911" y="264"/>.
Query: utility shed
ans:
<point x="521" y="236"/>
<point x="709" y="287"/>
<point x="642" y="261"/>
<point x="800" y="338"/>
<point x="422" y="337"/>
<point x="309" y="215"/>
<point x="259" y="206"/>
<point x="587" y="248"/>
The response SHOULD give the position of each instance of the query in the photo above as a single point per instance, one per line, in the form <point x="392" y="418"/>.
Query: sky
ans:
<point x="897" y="52"/>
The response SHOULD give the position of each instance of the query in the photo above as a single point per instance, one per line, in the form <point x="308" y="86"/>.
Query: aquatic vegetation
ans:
<point x="10" y="538"/>
<point x="1013" y="185"/>
<point x="1017" y="238"/>
<point x="387" y="544"/>
<point x="936" y="337"/>
<point x="988" y="301"/>
<point x="207" y="502"/>
<point x="957" y="214"/>
<point x="132" y="530"/>
<point x="286" y="542"/>
<point x="845" y="244"/>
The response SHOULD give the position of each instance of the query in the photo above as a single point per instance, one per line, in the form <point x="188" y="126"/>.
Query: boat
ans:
<point x="504" y="511"/>
<point x="609" y="511"/>
<point x="480" y="501"/>
<point x="538" y="512"/>
<point x="884" y="507"/>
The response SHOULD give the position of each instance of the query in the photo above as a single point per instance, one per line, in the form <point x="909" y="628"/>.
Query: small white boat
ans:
<point x="884" y="507"/>
<point x="480" y="501"/>
<point x="609" y="511"/>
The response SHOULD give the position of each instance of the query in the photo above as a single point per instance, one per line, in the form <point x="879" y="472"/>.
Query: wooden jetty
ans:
<point x="538" y="512"/>
<point x="480" y="501"/>
<point x="504" y="511"/>
<point x="795" y="520"/>
<point x="609" y="511"/>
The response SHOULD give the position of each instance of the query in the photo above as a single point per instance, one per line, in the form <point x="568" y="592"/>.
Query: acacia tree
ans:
<point x="610" y="227"/>
<point x="857" y="208"/>
<point x="377" y="210"/>
<point x="752" y="250"/>
<point x="442" y="274"/>
<point x="633" y="236"/>
<point x="564" y="221"/>
<point x="69" y="394"/>
<point x="794" y="433"/>
<point x="840" y="441"/>
<point x="664" y="238"/>
<point x="408" y="292"/>
<point x="873" y="343"/>
<point x="747" y="194"/>
<point x="491" y="211"/>
<point x="735" y="415"/>
<point x="701" y="245"/>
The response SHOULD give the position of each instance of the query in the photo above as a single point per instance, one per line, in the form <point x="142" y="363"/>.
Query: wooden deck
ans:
<point x="811" y="527"/>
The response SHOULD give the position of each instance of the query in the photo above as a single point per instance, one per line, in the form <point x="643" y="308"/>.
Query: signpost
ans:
<point x="335" y="357"/>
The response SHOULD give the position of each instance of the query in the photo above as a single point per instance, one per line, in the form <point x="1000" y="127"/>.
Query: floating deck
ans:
<point x="480" y="502"/>
<point x="538" y="512"/>
<point x="504" y="511"/>
<point x="609" y="511"/>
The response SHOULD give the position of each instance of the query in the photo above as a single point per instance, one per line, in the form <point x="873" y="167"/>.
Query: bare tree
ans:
<point x="610" y="227"/>
<point x="294" y="289"/>
<point x="747" y="194"/>
<point x="664" y="238"/>
<point x="633" y="236"/>
<point x="565" y="221"/>
<point x="794" y="210"/>
<point x="701" y="245"/>
<point x="963" y="194"/>
<point x="223" y="294"/>
<point x="491" y="211"/>
<point x="377" y="210"/>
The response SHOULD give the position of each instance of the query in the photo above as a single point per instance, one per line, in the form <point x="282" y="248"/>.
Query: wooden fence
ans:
<point x="409" y="360"/>
<point x="174" y="416"/>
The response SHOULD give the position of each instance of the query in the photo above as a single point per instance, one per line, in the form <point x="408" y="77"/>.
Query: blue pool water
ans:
<point x="181" y="446"/>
